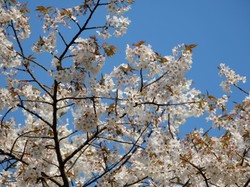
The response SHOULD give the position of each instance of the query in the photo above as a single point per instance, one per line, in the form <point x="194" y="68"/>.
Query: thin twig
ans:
<point x="159" y="78"/>
<point x="6" y="113"/>
<point x="169" y="128"/>
<point x="241" y="89"/>
<point x="141" y="80"/>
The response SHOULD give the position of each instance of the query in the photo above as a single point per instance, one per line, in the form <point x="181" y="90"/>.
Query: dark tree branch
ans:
<point x="6" y="113"/>
<point x="200" y="170"/>
<point x="56" y="139"/>
<point x="159" y="78"/>
<point x="30" y="60"/>
<point x="83" y="145"/>
<point x="167" y="104"/>
<point x="121" y="162"/>
<point x="22" y="55"/>
<point x="2" y="152"/>
<point x="139" y="180"/>
<point x="97" y="27"/>
<point x="35" y="114"/>
<point x="79" y="32"/>
<point x="16" y="37"/>
<point x="247" y="183"/>
<point x="169" y="128"/>
<point x="61" y="36"/>
<point x="141" y="88"/>
<point x="247" y="93"/>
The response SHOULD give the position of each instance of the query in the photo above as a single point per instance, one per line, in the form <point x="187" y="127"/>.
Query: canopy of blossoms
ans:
<point x="83" y="127"/>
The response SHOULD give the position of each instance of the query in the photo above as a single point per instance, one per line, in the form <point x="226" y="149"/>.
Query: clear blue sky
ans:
<point x="221" y="28"/>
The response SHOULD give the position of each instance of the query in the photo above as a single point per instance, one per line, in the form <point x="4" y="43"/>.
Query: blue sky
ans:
<point x="220" y="28"/>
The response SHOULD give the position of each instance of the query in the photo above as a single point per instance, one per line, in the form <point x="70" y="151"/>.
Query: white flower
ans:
<point x="231" y="78"/>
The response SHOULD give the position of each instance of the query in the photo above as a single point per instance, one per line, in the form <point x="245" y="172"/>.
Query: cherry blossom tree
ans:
<point x="77" y="126"/>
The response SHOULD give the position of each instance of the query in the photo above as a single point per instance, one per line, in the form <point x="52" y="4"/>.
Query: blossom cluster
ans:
<point x="118" y="6"/>
<point x="70" y="74"/>
<point x="46" y="44"/>
<point x="87" y="117"/>
<point x="231" y="77"/>
<point x="54" y="17"/>
<point x="9" y="57"/>
<point x="85" y="54"/>
<point x="119" y="23"/>
<point x="16" y="19"/>
<point x="7" y="98"/>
